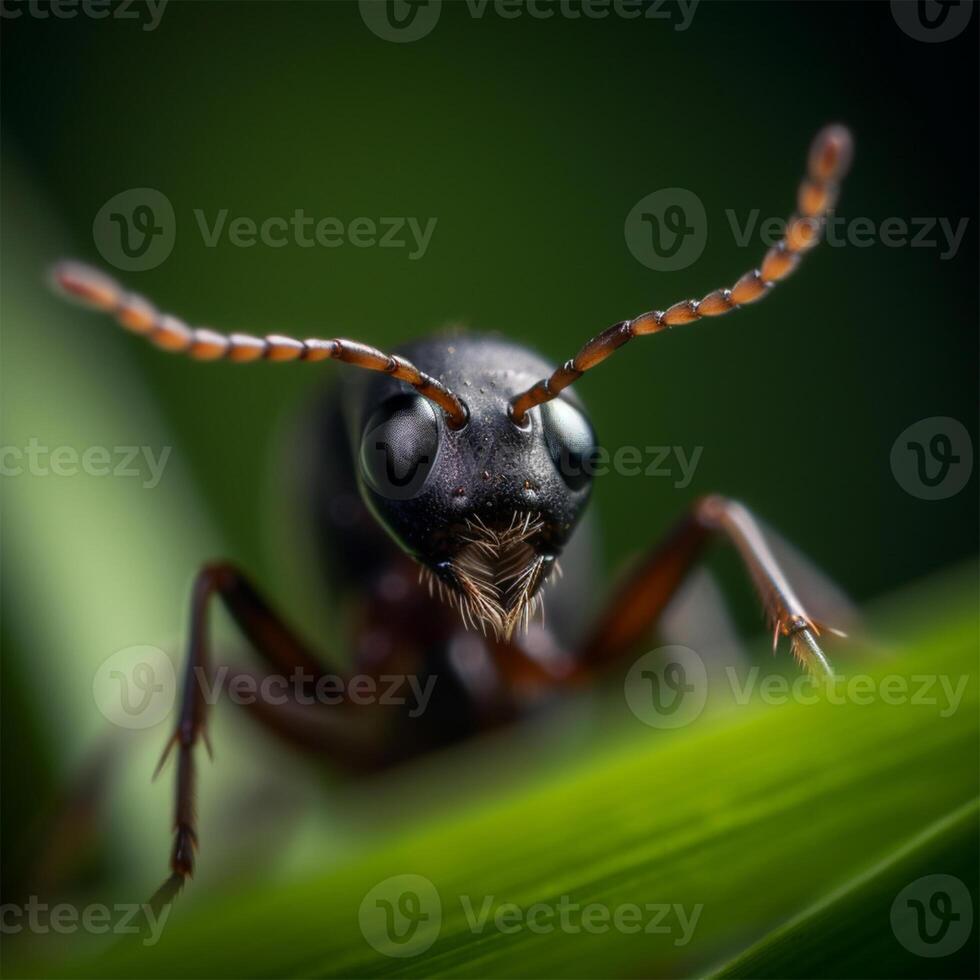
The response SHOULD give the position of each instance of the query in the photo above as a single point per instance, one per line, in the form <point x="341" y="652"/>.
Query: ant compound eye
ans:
<point x="571" y="442"/>
<point x="399" y="447"/>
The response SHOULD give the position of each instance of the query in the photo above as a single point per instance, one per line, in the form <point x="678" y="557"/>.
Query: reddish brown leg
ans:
<point x="282" y="650"/>
<point x="639" y="602"/>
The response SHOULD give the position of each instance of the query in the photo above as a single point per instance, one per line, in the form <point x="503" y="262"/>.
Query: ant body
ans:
<point x="465" y="480"/>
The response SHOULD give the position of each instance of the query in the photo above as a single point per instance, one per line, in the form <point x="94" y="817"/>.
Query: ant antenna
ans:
<point x="100" y="292"/>
<point x="830" y="157"/>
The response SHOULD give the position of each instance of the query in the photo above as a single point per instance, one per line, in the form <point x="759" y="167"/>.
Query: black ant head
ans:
<point x="485" y="508"/>
<point x="469" y="452"/>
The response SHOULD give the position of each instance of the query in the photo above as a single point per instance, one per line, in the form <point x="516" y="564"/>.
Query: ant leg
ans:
<point x="351" y="736"/>
<point x="640" y="601"/>
<point x="282" y="650"/>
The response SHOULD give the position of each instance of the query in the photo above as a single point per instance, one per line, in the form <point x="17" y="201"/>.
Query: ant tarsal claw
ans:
<point x="167" y="749"/>
<point x="807" y="651"/>
<point x="166" y="893"/>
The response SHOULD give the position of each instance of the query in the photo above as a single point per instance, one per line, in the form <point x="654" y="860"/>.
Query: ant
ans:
<point x="465" y="476"/>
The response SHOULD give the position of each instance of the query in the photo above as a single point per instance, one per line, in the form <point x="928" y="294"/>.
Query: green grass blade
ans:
<point x="753" y="815"/>
<point x="850" y="933"/>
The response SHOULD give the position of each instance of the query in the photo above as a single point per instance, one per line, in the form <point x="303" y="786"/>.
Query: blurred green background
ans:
<point x="529" y="140"/>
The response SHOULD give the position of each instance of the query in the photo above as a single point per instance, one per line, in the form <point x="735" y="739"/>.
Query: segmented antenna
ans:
<point x="830" y="157"/>
<point x="100" y="292"/>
